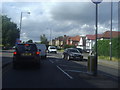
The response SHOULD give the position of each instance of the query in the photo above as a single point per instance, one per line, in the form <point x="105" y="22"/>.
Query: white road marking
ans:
<point x="73" y="66"/>
<point x="51" y="61"/>
<point x="65" y="72"/>
<point x="75" y="71"/>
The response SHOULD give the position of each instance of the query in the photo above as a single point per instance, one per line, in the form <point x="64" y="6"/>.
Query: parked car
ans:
<point x="72" y="53"/>
<point x="80" y="50"/>
<point x="52" y="49"/>
<point x="43" y="50"/>
<point x="26" y="53"/>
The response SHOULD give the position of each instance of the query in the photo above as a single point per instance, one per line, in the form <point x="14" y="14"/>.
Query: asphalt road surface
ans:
<point x="54" y="72"/>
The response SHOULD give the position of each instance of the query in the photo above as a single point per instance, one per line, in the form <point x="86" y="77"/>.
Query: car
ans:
<point x="52" y="49"/>
<point x="72" y="54"/>
<point x="42" y="48"/>
<point x="80" y="50"/>
<point x="13" y="47"/>
<point x="26" y="53"/>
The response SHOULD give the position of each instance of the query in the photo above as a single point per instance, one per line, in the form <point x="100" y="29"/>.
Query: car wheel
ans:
<point x="68" y="57"/>
<point x="63" y="56"/>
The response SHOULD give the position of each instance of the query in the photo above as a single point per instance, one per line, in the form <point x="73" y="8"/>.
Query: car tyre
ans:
<point x="68" y="57"/>
<point x="63" y="56"/>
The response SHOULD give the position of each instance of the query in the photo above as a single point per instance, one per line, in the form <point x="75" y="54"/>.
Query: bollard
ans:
<point x="91" y="65"/>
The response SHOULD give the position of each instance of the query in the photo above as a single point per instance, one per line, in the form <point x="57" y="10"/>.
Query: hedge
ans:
<point x="104" y="47"/>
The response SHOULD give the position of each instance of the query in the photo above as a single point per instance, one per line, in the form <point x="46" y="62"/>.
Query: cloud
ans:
<point x="70" y="18"/>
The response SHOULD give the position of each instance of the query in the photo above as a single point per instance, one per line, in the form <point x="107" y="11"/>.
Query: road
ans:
<point x="55" y="73"/>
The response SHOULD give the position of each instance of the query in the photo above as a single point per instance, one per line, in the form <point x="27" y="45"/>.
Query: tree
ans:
<point x="43" y="39"/>
<point x="10" y="32"/>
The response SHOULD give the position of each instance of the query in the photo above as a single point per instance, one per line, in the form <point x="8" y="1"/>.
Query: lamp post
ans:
<point x="21" y="19"/>
<point x="111" y="32"/>
<point x="96" y="25"/>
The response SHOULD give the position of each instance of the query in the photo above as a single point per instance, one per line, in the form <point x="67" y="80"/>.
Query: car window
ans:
<point x="80" y="50"/>
<point x="52" y="48"/>
<point x="27" y="47"/>
<point x="74" y="50"/>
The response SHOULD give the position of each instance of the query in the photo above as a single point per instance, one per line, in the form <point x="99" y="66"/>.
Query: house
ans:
<point x="90" y="39"/>
<point x="73" y="40"/>
<point x="60" y="41"/>
<point x="106" y="35"/>
<point x="82" y="43"/>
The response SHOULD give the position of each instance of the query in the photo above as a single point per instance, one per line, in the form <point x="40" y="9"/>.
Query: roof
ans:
<point x="107" y="34"/>
<point x="91" y="37"/>
<point x="76" y="38"/>
<point x="104" y="35"/>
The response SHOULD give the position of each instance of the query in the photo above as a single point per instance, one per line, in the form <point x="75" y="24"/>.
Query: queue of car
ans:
<point x="31" y="52"/>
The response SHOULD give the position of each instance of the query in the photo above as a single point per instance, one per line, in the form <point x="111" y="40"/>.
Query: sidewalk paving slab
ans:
<point x="100" y="81"/>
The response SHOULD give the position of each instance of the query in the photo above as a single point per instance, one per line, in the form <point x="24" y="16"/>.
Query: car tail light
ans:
<point x="26" y="44"/>
<point x="15" y="53"/>
<point x="37" y="52"/>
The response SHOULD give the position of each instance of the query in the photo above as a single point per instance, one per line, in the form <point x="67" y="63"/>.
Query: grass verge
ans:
<point x="108" y="58"/>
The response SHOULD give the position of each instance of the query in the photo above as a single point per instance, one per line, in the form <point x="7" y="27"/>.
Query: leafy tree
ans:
<point x="10" y="32"/>
<point x="43" y="39"/>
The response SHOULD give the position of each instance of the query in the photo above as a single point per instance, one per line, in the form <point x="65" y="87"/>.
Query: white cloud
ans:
<point x="62" y="18"/>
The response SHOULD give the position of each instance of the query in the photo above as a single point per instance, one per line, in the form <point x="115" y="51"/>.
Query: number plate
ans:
<point x="26" y="54"/>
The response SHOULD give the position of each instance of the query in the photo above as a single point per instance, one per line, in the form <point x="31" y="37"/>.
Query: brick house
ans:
<point x="73" y="40"/>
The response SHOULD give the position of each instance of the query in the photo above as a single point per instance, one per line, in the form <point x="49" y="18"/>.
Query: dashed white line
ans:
<point x="51" y="61"/>
<point x="73" y="66"/>
<point x="74" y="71"/>
<point x="65" y="72"/>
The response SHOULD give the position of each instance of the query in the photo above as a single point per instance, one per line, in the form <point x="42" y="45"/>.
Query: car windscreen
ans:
<point x="74" y="51"/>
<point x="52" y="48"/>
<point x="26" y="47"/>
<point x="80" y="50"/>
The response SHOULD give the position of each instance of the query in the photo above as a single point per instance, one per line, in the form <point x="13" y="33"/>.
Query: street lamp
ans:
<point x="96" y="55"/>
<point x="21" y="19"/>
<point x="111" y="31"/>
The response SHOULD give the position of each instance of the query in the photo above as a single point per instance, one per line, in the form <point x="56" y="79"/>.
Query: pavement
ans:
<point x="113" y="64"/>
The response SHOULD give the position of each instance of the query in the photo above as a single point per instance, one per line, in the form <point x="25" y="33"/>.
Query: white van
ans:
<point x="52" y="49"/>
<point x="42" y="48"/>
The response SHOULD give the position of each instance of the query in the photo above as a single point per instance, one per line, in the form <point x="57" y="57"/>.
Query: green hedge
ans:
<point x="68" y="46"/>
<point x="104" y="47"/>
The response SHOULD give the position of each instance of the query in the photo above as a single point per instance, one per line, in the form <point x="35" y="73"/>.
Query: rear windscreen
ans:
<point x="26" y="47"/>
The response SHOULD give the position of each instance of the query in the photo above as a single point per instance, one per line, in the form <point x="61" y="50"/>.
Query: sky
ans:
<point x="60" y="18"/>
